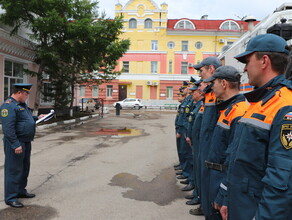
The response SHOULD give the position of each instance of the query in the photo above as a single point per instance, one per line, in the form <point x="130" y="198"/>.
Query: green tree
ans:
<point x="73" y="43"/>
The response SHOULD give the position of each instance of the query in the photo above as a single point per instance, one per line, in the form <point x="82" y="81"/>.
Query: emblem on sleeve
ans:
<point x="4" y="113"/>
<point x="288" y="116"/>
<point x="286" y="136"/>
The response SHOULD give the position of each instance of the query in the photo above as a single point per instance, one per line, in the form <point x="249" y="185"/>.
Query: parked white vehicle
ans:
<point x="87" y="105"/>
<point x="130" y="103"/>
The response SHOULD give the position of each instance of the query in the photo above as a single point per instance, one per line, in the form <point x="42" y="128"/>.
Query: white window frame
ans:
<point x="154" y="66"/>
<point x="185" y="45"/>
<point x="9" y="80"/>
<point x="148" y="23"/>
<point x="126" y="66"/>
<point x="199" y="45"/>
<point x="94" y="91"/>
<point x="154" y="45"/>
<point x="132" y="23"/>
<point x="82" y="91"/>
<point x="169" y="92"/>
<point x="46" y="100"/>
<point x="170" y="66"/>
<point x="184" y="67"/>
<point x="170" y="44"/>
<point x="109" y="91"/>
<point x="229" y="22"/>
<point x="184" y="24"/>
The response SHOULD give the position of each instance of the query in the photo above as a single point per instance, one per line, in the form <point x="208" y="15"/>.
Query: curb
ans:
<point x="40" y="127"/>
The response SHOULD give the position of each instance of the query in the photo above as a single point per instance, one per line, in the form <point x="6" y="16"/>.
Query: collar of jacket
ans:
<point x="261" y="92"/>
<point x="234" y="99"/>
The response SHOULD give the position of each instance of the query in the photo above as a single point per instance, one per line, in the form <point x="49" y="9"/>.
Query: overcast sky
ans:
<point x="216" y="9"/>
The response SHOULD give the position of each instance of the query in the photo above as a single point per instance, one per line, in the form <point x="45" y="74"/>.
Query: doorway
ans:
<point x="122" y="92"/>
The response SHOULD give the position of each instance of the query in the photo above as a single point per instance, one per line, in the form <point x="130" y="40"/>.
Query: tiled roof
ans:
<point x="207" y="25"/>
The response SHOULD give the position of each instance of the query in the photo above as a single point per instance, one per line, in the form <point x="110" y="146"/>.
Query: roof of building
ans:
<point x="207" y="25"/>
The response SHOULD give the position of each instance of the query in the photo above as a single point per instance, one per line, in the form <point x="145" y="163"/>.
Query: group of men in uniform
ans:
<point x="235" y="150"/>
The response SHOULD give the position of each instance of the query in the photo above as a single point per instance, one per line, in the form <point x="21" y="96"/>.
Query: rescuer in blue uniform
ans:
<point x="192" y="136"/>
<point x="180" y="98"/>
<point x="179" y="130"/>
<point x="18" y="127"/>
<point x="210" y="116"/>
<point x="260" y="169"/>
<point x="186" y="149"/>
<point x="187" y="145"/>
<point x="226" y="85"/>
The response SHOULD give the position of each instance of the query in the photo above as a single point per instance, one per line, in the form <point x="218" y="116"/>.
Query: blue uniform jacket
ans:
<point x="260" y="180"/>
<point x="231" y="111"/>
<point x="18" y="124"/>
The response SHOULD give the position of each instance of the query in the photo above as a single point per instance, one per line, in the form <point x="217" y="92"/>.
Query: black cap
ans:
<point x="214" y="61"/>
<point x="23" y="86"/>
<point x="185" y="84"/>
<point x="229" y="73"/>
<point x="192" y="80"/>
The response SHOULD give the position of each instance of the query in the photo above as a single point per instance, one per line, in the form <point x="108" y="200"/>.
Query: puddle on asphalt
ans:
<point x="28" y="212"/>
<point x="118" y="132"/>
<point x="162" y="190"/>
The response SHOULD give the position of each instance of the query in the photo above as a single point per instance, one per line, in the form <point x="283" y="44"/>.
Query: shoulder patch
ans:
<point x="288" y="116"/>
<point x="4" y="113"/>
<point x="286" y="136"/>
<point x="8" y="101"/>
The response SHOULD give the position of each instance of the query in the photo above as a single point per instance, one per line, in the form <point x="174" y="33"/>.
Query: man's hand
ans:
<point x="188" y="140"/>
<point x="217" y="206"/>
<point x="177" y="135"/>
<point x="224" y="212"/>
<point x="41" y="116"/>
<point x="18" y="150"/>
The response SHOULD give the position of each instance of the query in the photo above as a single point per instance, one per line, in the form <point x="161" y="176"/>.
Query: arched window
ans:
<point x="132" y="23"/>
<point x="184" y="24"/>
<point x="229" y="25"/>
<point x="148" y="23"/>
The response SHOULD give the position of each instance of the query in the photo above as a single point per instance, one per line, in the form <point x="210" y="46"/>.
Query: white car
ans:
<point x="87" y="105"/>
<point x="130" y="103"/>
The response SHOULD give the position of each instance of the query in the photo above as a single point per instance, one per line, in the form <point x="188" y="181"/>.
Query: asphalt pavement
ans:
<point x="116" y="167"/>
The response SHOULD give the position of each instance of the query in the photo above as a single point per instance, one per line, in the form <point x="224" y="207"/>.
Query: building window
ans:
<point x="170" y="66"/>
<point x="109" y="91"/>
<point x="46" y="97"/>
<point x="184" y="67"/>
<point x="229" y="43"/>
<point x="132" y="23"/>
<point x="169" y="92"/>
<point x="199" y="45"/>
<point x="13" y="73"/>
<point x="184" y="46"/>
<point x="154" y="67"/>
<point x="170" y="45"/>
<point x="154" y="44"/>
<point x="148" y="23"/>
<point x="95" y="91"/>
<point x="229" y="25"/>
<point x="82" y="90"/>
<point x="184" y="24"/>
<point x="126" y="66"/>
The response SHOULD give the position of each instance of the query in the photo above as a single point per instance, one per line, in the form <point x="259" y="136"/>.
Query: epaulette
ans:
<point x="8" y="101"/>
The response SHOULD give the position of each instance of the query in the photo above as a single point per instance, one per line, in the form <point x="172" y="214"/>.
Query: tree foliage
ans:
<point x="73" y="43"/>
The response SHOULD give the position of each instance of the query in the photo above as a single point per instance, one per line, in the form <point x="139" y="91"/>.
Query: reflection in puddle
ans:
<point x="118" y="132"/>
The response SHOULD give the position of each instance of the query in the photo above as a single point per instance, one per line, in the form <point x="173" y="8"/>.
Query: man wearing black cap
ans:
<point x="226" y="84"/>
<point x="18" y="127"/>
<point x="260" y="169"/>
<point x="210" y="115"/>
